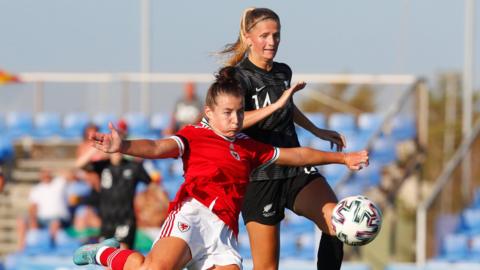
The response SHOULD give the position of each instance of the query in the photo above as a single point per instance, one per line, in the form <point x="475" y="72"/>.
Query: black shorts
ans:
<point x="123" y="231"/>
<point x="265" y="201"/>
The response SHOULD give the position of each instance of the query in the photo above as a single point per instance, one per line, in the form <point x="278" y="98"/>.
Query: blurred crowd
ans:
<point x="73" y="200"/>
<point x="104" y="195"/>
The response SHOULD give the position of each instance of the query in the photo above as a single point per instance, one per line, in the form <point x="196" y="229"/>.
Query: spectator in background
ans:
<point x="118" y="181"/>
<point x="47" y="207"/>
<point x="84" y="217"/>
<point x="87" y="216"/>
<point x="188" y="110"/>
<point x="122" y="128"/>
<point x="151" y="205"/>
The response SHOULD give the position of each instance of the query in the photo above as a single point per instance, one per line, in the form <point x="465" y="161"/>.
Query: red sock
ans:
<point x="114" y="258"/>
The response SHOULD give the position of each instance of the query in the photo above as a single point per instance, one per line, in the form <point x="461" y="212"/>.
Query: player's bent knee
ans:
<point x="134" y="261"/>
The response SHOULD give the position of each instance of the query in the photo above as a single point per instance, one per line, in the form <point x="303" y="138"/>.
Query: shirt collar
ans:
<point x="205" y="124"/>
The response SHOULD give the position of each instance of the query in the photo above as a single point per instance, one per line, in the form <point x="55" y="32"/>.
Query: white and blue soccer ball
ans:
<point x="356" y="220"/>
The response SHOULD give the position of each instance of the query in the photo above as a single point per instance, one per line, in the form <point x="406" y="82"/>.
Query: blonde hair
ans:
<point x="250" y="17"/>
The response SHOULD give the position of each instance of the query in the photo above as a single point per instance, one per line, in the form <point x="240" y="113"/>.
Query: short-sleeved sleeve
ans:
<point x="182" y="138"/>
<point x="263" y="154"/>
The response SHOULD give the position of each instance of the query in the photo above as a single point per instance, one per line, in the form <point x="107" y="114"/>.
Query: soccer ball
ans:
<point x="356" y="220"/>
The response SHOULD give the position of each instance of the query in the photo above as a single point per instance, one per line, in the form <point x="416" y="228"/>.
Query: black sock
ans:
<point x="330" y="253"/>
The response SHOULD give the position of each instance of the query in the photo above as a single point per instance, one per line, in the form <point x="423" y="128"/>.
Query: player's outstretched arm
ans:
<point x="255" y="116"/>
<point x="335" y="138"/>
<point x="305" y="156"/>
<point x="153" y="149"/>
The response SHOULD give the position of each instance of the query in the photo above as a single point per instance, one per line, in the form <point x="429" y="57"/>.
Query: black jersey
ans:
<point x="117" y="189"/>
<point x="263" y="88"/>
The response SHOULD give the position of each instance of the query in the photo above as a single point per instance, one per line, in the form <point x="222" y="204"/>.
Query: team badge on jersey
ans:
<point x="127" y="174"/>
<point x="183" y="227"/>
<point x="234" y="153"/>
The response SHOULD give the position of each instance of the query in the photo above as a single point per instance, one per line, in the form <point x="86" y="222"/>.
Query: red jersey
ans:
<point x="217" y="169"/>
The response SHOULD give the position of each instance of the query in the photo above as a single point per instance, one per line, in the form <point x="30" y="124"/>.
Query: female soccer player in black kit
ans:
<point x="300" y="189"/>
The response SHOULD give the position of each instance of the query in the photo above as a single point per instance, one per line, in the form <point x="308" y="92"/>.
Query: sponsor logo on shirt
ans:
<point x="258" y="89"/>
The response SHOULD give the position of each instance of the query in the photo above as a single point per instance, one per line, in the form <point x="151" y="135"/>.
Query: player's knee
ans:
<point x="135" y="261"/>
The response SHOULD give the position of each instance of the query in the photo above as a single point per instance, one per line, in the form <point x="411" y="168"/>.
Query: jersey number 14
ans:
<point x="266" y="102"/>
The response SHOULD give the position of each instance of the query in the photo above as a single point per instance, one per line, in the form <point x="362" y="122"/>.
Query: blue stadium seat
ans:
<point x="164" y="167"/>
<point x="177" y="168"/>
<point x="19" y="124"/>
<point x="350" y="189"/>
<point x="47" y="124"/>
<point x="476" y="199"/>
<point x="318" y="119"/>
<point x="368" y="123"/>
<point x="37" y="241"/>
<point x="73" y="125"/>
<point x="297" y="224"/>
<point x="102" y="120"/>
<point x="383" y="150"/>
<point x="474" y="253"/>
<point x="244" y="245"/>
<point x="471" y="221"/>
<point x="454" y="247"/>
<point x="305" y="138"/>
<point x="403" y="127"/>
<point x="321" y="145"/>
<point x="65" y="245"/>
<point x="7" y="150"/>
<point x="288" y="244"/>
<point x="141" y="187"/>
<point x="78" y="188"/>
<point x="369" y="176"/>
<point x="159" y="121"/>
<point x="171" y="187"/>
<point x="138" y="125"/>
<point x="356" y="141"/>
<point x="334" y="173"/>
<point x="342" y="122"/>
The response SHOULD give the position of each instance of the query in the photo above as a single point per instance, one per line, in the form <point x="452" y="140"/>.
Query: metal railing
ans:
<point x="443" y="179"/>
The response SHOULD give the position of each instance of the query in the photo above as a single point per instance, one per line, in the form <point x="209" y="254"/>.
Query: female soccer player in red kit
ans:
<point x="200" y="231"/>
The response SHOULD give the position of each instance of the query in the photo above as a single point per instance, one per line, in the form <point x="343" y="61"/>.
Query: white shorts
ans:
<point x="210" y="240"/>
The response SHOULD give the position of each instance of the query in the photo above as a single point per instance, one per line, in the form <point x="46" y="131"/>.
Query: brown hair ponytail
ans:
<point x="225" y="83"/>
